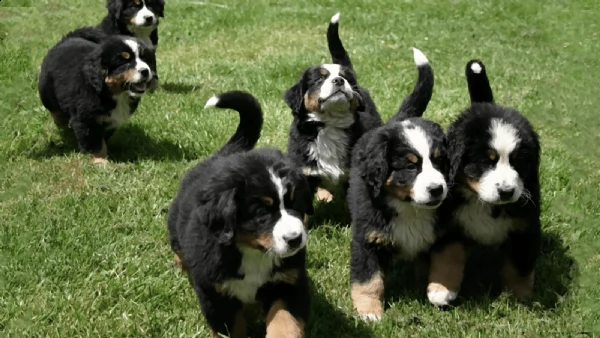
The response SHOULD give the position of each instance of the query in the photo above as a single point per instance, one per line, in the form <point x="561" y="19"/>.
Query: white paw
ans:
<point x="441" y="297"/>
<point x="370" y="317"/>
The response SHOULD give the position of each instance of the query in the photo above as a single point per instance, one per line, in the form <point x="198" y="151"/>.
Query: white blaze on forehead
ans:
<point x="142" y="14"/>
<point x="139" y="64"/>
<point x="505" y="137"/>
<point x="417" y="138"/>
<point x="333" y="69"/>
<point x="287" y="226"/>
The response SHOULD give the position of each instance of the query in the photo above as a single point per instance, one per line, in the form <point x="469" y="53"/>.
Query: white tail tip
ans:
<point x="335" y="18"/>
<point x="213" y="101"/>
<point x="476" y="68"/>
<point x="420" y="58"/>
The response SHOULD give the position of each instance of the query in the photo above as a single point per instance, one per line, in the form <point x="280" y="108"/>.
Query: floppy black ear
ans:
<point x="294" y="97"/>
<point x="374" y="166"/>
<point x="358" y="95"/>
<point x="219" y="214"/>
<point x="456" y="150"/>
<point x="115" y="7"/>
<point x="161" y="9"/>
<point x="92" y="70"/>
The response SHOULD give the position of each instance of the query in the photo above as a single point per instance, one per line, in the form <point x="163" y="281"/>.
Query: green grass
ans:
<point x="84" y="250"/>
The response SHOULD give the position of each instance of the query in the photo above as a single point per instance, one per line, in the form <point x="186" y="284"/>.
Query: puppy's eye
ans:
<point x="492" y="155"/>
<point x="411" y="166"/>
<point x="125" y="55"/>
<point x="268" y="201"/>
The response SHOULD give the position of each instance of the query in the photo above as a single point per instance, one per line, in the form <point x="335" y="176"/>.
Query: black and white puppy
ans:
<point x="94" y="87"/>
<point x="494" y="157"/>
<point x="331" y="112"/>
<point x="139" y="18"/>
<point x="236" y="226"/>
<point x="397" y="181"/>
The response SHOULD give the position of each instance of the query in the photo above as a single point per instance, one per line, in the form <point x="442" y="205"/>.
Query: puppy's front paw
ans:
<point x="439" y="295"/>
<point x="324" y="195"/>
<point x="370" y="317"/>
<point x="99" y="160"/>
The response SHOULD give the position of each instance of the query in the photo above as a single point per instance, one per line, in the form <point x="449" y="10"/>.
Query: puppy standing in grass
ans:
<point x="236" y="226"/>
<point x="94" y="83"/>
<point x="331" y="111"/>
<point x="397" y="181"/>
<point x="495" y="198"/>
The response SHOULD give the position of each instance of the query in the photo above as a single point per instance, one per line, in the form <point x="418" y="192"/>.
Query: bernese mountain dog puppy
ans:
<point x="94" y="83"/>
<point x="331" y="112"/>
<point x="236" y="227"/>
<point x="494" y="156"/>
<point x="139" y="18"/>
<point x="397" y="182"/>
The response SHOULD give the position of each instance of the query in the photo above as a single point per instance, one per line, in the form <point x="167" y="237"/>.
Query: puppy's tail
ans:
<point x="415" y="104"/>
<point x="336" y="48"/>
<point x="251" y="120"/>
<point x="477" y="80"/>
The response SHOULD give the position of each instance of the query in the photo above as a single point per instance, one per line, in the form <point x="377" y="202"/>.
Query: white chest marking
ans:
<point x="475" y="217"/>
<point x="257" y="269"/>
<point x="122" y="111"/>
<point x="412" y="229"/>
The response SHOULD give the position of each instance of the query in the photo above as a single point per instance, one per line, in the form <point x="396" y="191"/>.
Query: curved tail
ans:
<point x="251" y="120"/>
<point x="477" y="80"/>
<point x="415" y="104"/>
<point x="336" y="48"/>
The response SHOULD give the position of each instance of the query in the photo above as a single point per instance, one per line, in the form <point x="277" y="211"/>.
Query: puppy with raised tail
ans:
<point x="236" y="227"/>
<point x="495" y="196"/>
<point x="397" y="182"/>
<point x="331" y="111"/>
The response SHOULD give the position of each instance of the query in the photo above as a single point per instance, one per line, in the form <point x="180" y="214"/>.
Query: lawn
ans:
<point x="83" y="247"/>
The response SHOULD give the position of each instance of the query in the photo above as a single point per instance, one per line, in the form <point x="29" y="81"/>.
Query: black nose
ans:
<point x="145" y="73"/>
<point x="338" y="81"/>
<point x="148" y="19"/>
<point x="506" y="194"/>
<point x="293" y="240"/>
<point x="436" y="190"/>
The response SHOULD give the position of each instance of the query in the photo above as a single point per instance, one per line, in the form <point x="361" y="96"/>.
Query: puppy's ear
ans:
<point x="115" y="8"/>
<point x="294" y="97"/>
<point x="374" y="162"/>
<point x="92" y="70"/>
<point x="456" y="151"/>
<point x="360" y="102"/>
<point x="161" y="9"/>
<point x="219" y="214"/>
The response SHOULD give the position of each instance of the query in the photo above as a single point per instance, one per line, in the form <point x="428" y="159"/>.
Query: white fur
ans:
<point x="441" y="297"/>
<point x="370" y="317"/>
<point x="477" y="222"/>
<point x="335" y="18"/>
<point x="330" y="147"/>
<point x="122" y="111"/>
<point x="256" y="266"/>
<point x="420" y="58"/>
<point x="287" y="226"/>
<point x="429" y="177"/>
<point x="141" y="31"/>
<point x="504" y="140"/>
<point x="142" y="14"/>
<point x="139" y="64"/>
<point x="413" y="228"/>
<point x="212" y="102"/>
<point x="336" y="101"/>
<point x="476" y="68"/>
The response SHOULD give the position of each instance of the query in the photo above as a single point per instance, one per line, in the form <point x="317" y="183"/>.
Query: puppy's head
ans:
<point x="267" y="198"/>
<point x="492" y="151"/>
<point x="122" y="64"/>
<point x="328" y="89"/>
<point x="137" y="13"/>
<point x="407" y="161"/>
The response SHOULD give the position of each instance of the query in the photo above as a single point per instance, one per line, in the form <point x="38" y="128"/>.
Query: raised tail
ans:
<point x="415" y="104"/>
<point x="251" y="120"/>
<point x="336" y="48"/>
<point x="477" y="80"/>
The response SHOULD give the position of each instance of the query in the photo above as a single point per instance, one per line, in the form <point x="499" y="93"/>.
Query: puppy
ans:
<point x="331" y="111"/>
<point x="139" y="18"/>
<point x="236" y="226"/>
<point x="495" y="196"/>
<point x="94" y="87"/>
<point x="397" y="181"/>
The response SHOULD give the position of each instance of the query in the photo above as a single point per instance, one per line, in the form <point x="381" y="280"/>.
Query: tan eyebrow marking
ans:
<point x="324" y="72"/>
<point x="125" y="55"/>
<point x="268" y="201"/>
<point x="412" y="157"/>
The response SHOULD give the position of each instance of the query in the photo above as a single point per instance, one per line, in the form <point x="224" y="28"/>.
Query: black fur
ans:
<point x="218" y="200"/>
<point x="72" y="83"/>
<point x="304" y="130"/>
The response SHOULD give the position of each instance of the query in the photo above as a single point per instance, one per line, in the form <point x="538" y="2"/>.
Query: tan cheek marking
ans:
<point x="377" y="238"/>
<point x="403" y="192"/>
<point x="367" y="298"/>
<point x="311" y="102"/>
<point x="436" y="153"/>
<point x="446" y="268"/>
<point x="281" y="324"/>
<point x="255" y="241"/>
<point x="473" y="183"/>
<point x="412" y="158"/>
<point x="115" y="82"/>
<point x="519" y="286"/>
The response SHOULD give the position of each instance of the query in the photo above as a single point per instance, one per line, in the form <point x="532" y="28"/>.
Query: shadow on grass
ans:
<point x="334" y="212"/>
<point x="555" y="274"/>
<point x="179" y="88"/>
<point x="129" y="143"/>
